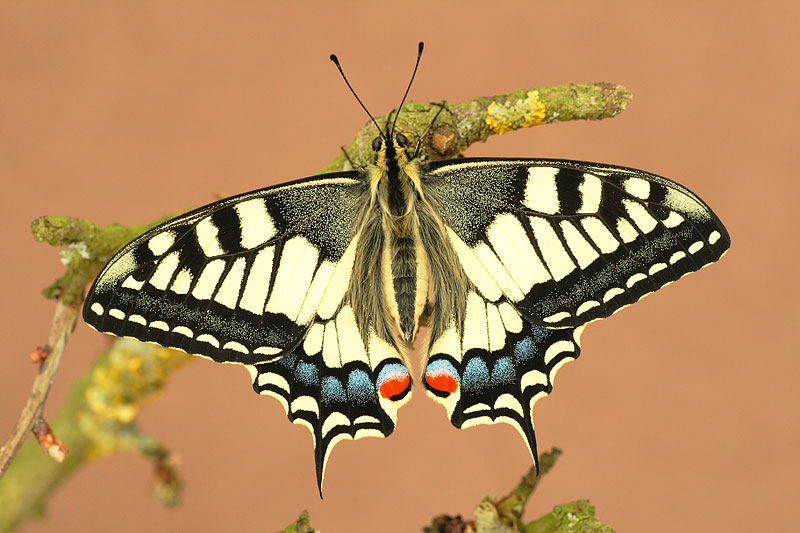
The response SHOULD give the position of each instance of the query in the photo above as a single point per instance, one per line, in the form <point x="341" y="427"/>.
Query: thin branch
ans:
<point x="63" y="324"/>
<point x="512" y="506"/>
<point x="504" y="515"/>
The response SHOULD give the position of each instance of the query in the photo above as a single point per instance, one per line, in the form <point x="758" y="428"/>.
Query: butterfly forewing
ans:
<point x="569" y="242"/>
<point x="238" y="280"/>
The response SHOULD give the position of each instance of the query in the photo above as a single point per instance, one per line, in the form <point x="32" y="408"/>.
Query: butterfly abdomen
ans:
<point x="404" y="282"/>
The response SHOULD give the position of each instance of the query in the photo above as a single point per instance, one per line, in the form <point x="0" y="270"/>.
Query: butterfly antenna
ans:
<point x="420" y="46"/>
<point x="336" y="62"/>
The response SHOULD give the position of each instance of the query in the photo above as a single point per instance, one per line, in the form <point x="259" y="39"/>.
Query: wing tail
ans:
<point x="337" y="386"/>
<point x="496" y="367"/>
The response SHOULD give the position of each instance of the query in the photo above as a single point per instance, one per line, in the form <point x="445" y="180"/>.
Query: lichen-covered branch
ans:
<point x="461" y="124"/>
<point x="89" y="431"/>
<point x="87" y="247"/>
<point x="504" y="515"/>
<point x="301" y="525"/>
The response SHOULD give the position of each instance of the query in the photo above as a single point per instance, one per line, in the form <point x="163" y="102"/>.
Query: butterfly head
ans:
<point x="388" y="146"/>
<point x="396" y="150"/>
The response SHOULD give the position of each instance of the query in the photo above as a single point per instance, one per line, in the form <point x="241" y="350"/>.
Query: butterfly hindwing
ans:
<point x="496" y="366"/>
<point x="569" y="242"/>
<point x="239" y="280"/>
<point x="337" y="385"/>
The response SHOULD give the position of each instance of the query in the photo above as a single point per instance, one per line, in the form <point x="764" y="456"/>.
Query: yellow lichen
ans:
<point x="510" y="116"/>
<point x="132" y="372"/>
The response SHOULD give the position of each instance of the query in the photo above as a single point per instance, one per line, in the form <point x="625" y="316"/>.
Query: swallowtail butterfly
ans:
<point x="319" y="286"/>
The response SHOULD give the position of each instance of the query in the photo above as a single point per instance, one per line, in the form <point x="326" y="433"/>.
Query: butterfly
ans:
<point x="320" y="287"/>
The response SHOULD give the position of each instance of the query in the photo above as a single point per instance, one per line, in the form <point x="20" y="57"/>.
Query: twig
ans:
<point x="63" y="324"/>
<point x="465" y="123"/>
<point x="504" y="515"/>
<point x="301" y="525"/>
<point x="88" y="247"/>
<point x="513" y="506"/>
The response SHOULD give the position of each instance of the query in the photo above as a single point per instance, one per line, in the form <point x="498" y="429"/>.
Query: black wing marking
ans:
<point x="239" y="280"/>
<point x="495" y="367"/>
<point x="570" y="242"/>
<point x="337" y="385"/>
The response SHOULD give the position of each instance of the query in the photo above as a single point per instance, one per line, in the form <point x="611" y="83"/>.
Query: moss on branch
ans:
<point x="505" y="515"/>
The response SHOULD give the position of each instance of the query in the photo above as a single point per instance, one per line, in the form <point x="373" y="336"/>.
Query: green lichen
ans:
<point x="572" y="517"/>
<point x="301" y="525"/>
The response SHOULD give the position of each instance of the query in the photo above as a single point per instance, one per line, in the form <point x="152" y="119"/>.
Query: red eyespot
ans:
<point x="394" y="384"/>
<point x="442" y="380"/>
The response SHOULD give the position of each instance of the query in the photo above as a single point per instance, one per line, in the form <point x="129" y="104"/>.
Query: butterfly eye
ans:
<point x="402" y="140"/>
<point x="377" y="143"/>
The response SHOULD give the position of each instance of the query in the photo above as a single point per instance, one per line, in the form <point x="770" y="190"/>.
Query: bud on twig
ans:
<point x="50" y="444"/>
<point x="39" y="354"/>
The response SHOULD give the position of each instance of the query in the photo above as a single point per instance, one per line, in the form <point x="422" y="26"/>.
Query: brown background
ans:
<point x="682" y="412"/>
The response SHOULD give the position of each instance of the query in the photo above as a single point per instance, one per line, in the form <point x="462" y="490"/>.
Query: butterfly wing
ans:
<point x="261" y="279"/>
<point x="336" y="385"/>
<point x="549" y="246"/>
<point x="238" y="280"/>
<point x="569" y="242"/>
<point x="496" y="366"/>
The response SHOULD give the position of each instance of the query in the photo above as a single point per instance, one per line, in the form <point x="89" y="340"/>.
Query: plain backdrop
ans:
<point x="681" y="413"/>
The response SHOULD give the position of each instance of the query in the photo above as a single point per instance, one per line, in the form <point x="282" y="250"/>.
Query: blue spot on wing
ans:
<point x="389" y="369"/>
<point x="443" y="365"/>
<point x="288" y="360"/>
<point x="307" y="373"/>
<point x="360" y="388"/>
<point x="539" y="333"/>
<point x="524" y="349"/>
<point x="476" y="375"/>
<point x="332" y="390"/>
<point x="503" y="372"/>
<point x="532" y="346"/>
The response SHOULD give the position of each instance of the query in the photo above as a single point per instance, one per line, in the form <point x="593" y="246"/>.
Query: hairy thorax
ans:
<point x="405" y="261"/>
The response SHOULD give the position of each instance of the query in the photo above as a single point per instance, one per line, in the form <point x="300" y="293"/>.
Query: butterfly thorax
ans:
<point x="404" y="261"/>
